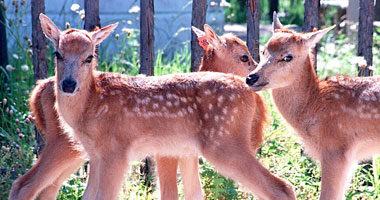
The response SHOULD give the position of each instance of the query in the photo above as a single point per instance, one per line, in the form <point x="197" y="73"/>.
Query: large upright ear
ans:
<point x="202" y="40"/>
<point x="276" y="22"/>
<point x="101" y="34"/>
<point x="212" y="37"/>
<point x="50" y="30"/>
<point x="313" y="38"/>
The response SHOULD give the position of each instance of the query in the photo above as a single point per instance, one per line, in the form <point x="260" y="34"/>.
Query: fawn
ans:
<point x="52" y="169"/>
<point x="120" y="118"/>
<point x="337" y="118"/>
<point x="226" y="54"/>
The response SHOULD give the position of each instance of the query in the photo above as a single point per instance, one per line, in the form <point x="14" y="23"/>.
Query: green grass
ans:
<point x="281" y="152"/>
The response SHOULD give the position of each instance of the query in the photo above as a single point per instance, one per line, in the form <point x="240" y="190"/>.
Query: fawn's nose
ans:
<point x="252" y="79"/>
<point x="68" y="85"/>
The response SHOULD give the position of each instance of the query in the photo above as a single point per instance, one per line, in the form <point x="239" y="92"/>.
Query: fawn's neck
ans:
<point x="71" y="108"/>
<point x="294" y="101"/>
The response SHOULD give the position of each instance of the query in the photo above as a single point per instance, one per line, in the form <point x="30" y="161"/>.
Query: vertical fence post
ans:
<point x="3" y="37"/>
<point x="253" y="28"/>
<point x="147" y="37"/>
<point x="198" y="19"/>
<point x="91" y="10"/>
<point x="147" y="67"/>
<point x="39" y="53"/>
<point x="365" y="34"/>
<point x="310" y="21"/>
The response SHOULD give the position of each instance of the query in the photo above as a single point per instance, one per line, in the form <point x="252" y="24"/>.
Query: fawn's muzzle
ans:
<point x="252" y="79"/>
<point x="68" y="85"/>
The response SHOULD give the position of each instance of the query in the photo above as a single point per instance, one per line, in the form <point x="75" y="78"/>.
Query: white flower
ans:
<point x="24" y="67"/>
<point x="134" y="9"/>
<point x="75" y="7"/>
<point x="359" y="60"/>
<point x="126" y="30"/>
<point x="9" y="68"/>
<point x="213" y="3"/>
<point x="224" y="3"/>
<point x="15" y="56"/>
<point x="81" y="12"/>
<point x="129" y="22"/>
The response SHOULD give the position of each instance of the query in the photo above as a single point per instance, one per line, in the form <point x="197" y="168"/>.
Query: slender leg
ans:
<point x="57" y="157"/>
<point x="110" y="175"/>
<point x="336" y="171"/>
<point x="190" y="177"/>
<point x="92" y="182"/>
<point x="51" y="192"/>
<point x="167" y="173"/>
<point x="235" y="160"/>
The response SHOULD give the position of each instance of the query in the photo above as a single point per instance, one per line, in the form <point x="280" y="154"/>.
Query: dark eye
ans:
<point x="57" y="55"/>
<point x="287" y="58"/>
<point x="244" y="58"/>
<point x="89" y="59"/>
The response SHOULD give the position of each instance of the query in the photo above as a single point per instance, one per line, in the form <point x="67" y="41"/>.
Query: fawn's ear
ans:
<point x="212" y="38"/>
<point x="202" y="40"/>
<point x="101" y="34"/>
<point x="313" y="38"/>
<point x="50" y="30"/>
<point x="276" y="22"/>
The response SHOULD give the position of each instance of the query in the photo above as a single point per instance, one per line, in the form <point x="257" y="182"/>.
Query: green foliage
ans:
<point x="237" y="13"/>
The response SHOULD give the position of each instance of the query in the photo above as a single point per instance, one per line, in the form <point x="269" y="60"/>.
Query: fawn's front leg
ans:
<point x="167" y="174"/>
<point x="190" y="177"/>
<point x="336" y="170"/>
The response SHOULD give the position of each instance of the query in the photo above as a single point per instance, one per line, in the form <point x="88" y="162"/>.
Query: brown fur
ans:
<point x="119" y="118"/>
<point x="166" y="165"/>
<point x="337" y="118"/>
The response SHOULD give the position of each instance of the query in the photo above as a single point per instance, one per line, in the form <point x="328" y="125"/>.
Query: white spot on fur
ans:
<point x="216" y="118"/>
<point x="198" y="99"/>
<point x="210" y="106"/>
<point x="176" y="103"/>
<point x="336" y="96"/>
<point x="373" y="98"/>
<point x="183" y="99"/>
<point x="190" y="109"/>
<point x="220" y="99"/>
<point x="340" y="125"/>
<point x="207" y="92"/>
<point x="206" y="116"/>
<point x="101" y="97"/>
<point x="224" y="111"/>
<point x="235" y="110"/>
<point x="169" y="104"/>
<point x="232" y="97"/>
<point x="155" y="105"/>
<point x="112" y="92"/>
<point x="377" y="116"/>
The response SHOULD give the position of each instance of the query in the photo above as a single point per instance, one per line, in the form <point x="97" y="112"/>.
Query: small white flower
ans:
<point x="134" y="9"/>
<point x="75" y="7"/>
<point x="9" y="68"/>
<point x="360" y="61"/>
<point x="81" y="12"/>
<point x="213" y="3"/>
<point x="129" y="22"/>
<point x="224" y="3"/>
<point x="15" y="56"/>
<point x="24" y="68"/>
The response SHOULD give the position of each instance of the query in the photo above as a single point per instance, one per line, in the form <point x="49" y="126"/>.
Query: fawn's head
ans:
<point x="74" y="52"/>
<point x="284" y="56"/>
<point x="226" y="53"/>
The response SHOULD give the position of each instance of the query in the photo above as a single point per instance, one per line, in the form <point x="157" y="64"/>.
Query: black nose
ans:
<point x="68" y="85"/>
<point x="252" y="79"/>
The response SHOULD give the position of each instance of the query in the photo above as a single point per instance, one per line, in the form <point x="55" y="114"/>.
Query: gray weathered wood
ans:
<point x="253" y="28"/>
<point x="310" y="21"/>
<point x="92" y="19"/>
<point x="40" y="66"/>
<point x="365" y="36"/>
<point x="147" y="37"/>
<point x="377" y="10"/>
<point x="3" y="38"/>
<point x="198" y="19"/>
<point x="273" y="6"/>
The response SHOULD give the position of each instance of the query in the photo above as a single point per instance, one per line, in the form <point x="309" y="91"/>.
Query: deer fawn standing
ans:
<point x="337" y="118"/>
<point x="120" y="118"/>
<point x="226" y="54"/>
<point x="62" y="156"/>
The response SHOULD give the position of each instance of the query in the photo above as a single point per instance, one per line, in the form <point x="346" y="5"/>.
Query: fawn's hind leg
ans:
<point x="190" y="177"/>
<point x="167" y="173"/>
<point x="235" y="160"/>
<point x="54" y="160"/>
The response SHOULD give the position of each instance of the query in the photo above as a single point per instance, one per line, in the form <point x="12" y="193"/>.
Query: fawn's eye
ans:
<point x="57" y="55"/>
<point x="89" y="59"/>
<point x="287" y="58"/>
<point x="244" y="58"/>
